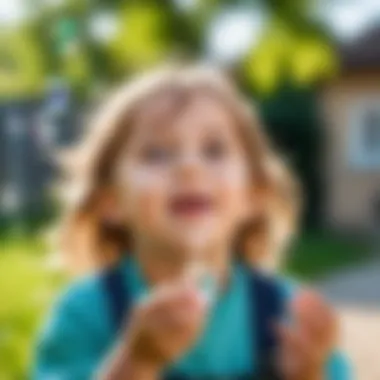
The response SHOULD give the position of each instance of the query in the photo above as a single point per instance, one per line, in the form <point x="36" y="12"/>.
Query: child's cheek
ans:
<point x="234" y="187"/>
<point x="146" y="194"/>
<point x="234" y="174"/>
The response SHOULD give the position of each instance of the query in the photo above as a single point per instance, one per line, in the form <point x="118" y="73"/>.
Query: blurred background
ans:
<point x="313" y="67"/>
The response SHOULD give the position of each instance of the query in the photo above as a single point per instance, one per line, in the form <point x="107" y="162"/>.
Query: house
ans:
<point x="351" y="161"/>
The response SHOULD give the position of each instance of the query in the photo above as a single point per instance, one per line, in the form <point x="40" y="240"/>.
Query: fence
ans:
<point x="30" y="133"/>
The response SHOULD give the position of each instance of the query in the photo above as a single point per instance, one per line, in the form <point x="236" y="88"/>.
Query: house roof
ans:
<point x="363" y="52"/>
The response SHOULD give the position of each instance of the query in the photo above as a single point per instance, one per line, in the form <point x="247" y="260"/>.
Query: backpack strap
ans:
<point x="268" y="306"/>
<point x="117" y="294"/>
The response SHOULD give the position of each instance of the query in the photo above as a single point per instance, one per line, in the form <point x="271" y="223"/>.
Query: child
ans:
<point x="180" y="201"/>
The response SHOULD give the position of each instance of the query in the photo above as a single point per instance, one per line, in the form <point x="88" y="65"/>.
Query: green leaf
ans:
<point x="21" y="65"/>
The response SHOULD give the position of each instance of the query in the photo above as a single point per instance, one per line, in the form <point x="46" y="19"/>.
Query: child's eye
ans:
<point x="215" y="150"/>
<point x="156" y="154"/>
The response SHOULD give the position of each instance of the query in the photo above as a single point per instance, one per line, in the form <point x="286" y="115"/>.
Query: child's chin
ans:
<point x="194" y="243"/>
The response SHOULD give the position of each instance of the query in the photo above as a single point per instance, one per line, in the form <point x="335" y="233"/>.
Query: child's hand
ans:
<point x="166" y="325"/>
<point x="306" y="346"/>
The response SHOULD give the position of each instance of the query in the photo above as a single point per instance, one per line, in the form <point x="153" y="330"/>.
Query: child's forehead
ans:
<point x="169" y="112"/>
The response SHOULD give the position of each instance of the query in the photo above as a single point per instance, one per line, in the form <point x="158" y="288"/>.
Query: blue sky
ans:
<point x="348" y="18"/>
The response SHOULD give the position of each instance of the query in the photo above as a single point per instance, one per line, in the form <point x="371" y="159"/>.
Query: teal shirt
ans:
<point x="80" y="334"/>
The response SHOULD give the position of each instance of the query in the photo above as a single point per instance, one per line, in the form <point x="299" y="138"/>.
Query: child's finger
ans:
<point x="298" y="356"/>
<point x="291" y="351"/>
<point x="289" y="338"/>
<point x="296" y="345"/>
<point x="314" y="316"/>
<point x="172" y="314"/>
<point x="187" y="299"/>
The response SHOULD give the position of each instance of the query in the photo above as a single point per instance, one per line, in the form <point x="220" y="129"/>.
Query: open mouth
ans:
<point x="188" y="205"/>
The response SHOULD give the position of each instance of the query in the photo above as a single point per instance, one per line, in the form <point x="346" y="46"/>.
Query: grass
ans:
<point x="317" y="254"/>
<point x="28" y="288"/>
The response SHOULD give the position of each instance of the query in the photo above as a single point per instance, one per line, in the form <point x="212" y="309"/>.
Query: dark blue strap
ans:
<point x="268" y="307"/>
<point x="117" y="295"/>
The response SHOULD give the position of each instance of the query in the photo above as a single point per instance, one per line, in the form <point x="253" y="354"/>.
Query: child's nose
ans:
<point x="190" y="164"/>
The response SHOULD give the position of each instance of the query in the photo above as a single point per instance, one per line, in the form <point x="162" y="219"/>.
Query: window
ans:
<point x="364" y="139"/>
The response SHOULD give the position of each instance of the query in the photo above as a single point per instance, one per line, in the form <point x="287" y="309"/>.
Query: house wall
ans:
<point x="351" y="192"/>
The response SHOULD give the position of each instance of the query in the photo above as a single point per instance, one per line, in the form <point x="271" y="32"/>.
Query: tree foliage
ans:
<point x="58" y="41"/>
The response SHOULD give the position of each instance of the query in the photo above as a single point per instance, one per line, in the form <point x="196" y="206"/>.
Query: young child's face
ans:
<point x="185" y="182"/>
